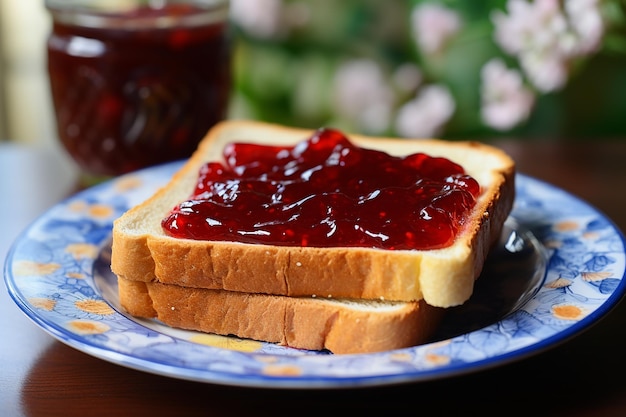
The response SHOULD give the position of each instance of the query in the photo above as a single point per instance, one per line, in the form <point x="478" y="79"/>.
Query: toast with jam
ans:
<point x="314" y="238"/>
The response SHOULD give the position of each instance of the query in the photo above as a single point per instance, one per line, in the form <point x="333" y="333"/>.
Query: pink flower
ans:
<point x="426" y="114"/>
<point x="505" y="100"/>
<point x="268" y="19"/>
<point x="546" y="37"/>
<point x="362" y="96"/>
<point x="587" y="24"/>
<point x="433" y="26"/>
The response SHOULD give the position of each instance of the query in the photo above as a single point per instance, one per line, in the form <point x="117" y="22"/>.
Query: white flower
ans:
<point x="426" y="114"/>
<point x="258" y="17"/>
<point x="362" y="96"/>
<point x="546" y="37"/>
<point x="268" y="19"/>
<point x="587" y="24"/>
<point x="505" y="100"/>
<point x="433" y="26"/>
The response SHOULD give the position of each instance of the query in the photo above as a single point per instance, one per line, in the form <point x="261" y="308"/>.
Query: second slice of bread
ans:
<point x="443" y="277"/>
<point x="340" y="326"/>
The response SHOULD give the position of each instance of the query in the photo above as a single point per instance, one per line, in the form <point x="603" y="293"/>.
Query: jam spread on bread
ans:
<point x="326" y="192"/>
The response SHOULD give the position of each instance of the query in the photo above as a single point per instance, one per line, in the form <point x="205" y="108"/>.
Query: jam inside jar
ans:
<point x="138" y="86"/>
<point x="326" y="192"/>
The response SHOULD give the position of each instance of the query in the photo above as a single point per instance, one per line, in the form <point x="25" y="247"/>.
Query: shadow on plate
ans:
<point x="513" y="273"/>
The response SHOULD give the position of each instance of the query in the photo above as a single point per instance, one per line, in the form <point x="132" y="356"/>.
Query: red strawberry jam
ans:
<point x="326" y="192"/>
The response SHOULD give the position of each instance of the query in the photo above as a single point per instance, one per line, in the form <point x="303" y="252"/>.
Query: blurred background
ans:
<point x="25" y="107"/>
<point x="534" y="70"/>
<point x="455" y="69"/>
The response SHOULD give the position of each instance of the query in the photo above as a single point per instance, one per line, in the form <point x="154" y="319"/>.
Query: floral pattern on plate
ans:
<point x="57" y="273"/>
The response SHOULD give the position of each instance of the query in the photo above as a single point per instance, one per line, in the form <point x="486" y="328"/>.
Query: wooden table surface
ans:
<point x="585" y="376"/>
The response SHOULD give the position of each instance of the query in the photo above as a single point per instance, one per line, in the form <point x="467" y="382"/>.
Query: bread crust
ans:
<point x="443" y="277"/>
<point x="341" y="327"/>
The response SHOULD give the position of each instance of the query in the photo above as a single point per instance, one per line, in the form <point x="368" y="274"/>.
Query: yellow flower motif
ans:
<point x="128" y="183"/>
<point x="78" y="206"/>
<point x="87" y="327"/>
<point x="559" y="283"/>
<point x="75" y="275"/>
<point x="42" y="303"/>
<point x="230" y="343"/>
<point x="568" y="312"/>
<point x="437" y="359"/>
<point x="282" y="370"/>
<point x="94" y="306"/>
<point x="591" y="235"/>
<point x="566" y="226"/>
<point x="100" y="211"/>
<point x="24" y="268"/>
<point x="400" y="357"/>
<point x="595" y="276"/>
<point x="82" y="250"/>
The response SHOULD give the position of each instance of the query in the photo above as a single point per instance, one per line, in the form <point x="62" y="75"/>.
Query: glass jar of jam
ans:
<point x="136" y="83"/>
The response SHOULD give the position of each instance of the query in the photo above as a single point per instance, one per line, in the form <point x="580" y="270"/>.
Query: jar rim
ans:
<point x="122" y="15"/>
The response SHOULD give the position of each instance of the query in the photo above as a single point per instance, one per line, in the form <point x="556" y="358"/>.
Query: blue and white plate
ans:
<point x="558" y="268"/>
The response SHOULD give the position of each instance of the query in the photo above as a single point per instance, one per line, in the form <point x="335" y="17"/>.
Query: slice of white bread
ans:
<point x="443" y="277"/>
<point x="340" y="326"/>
